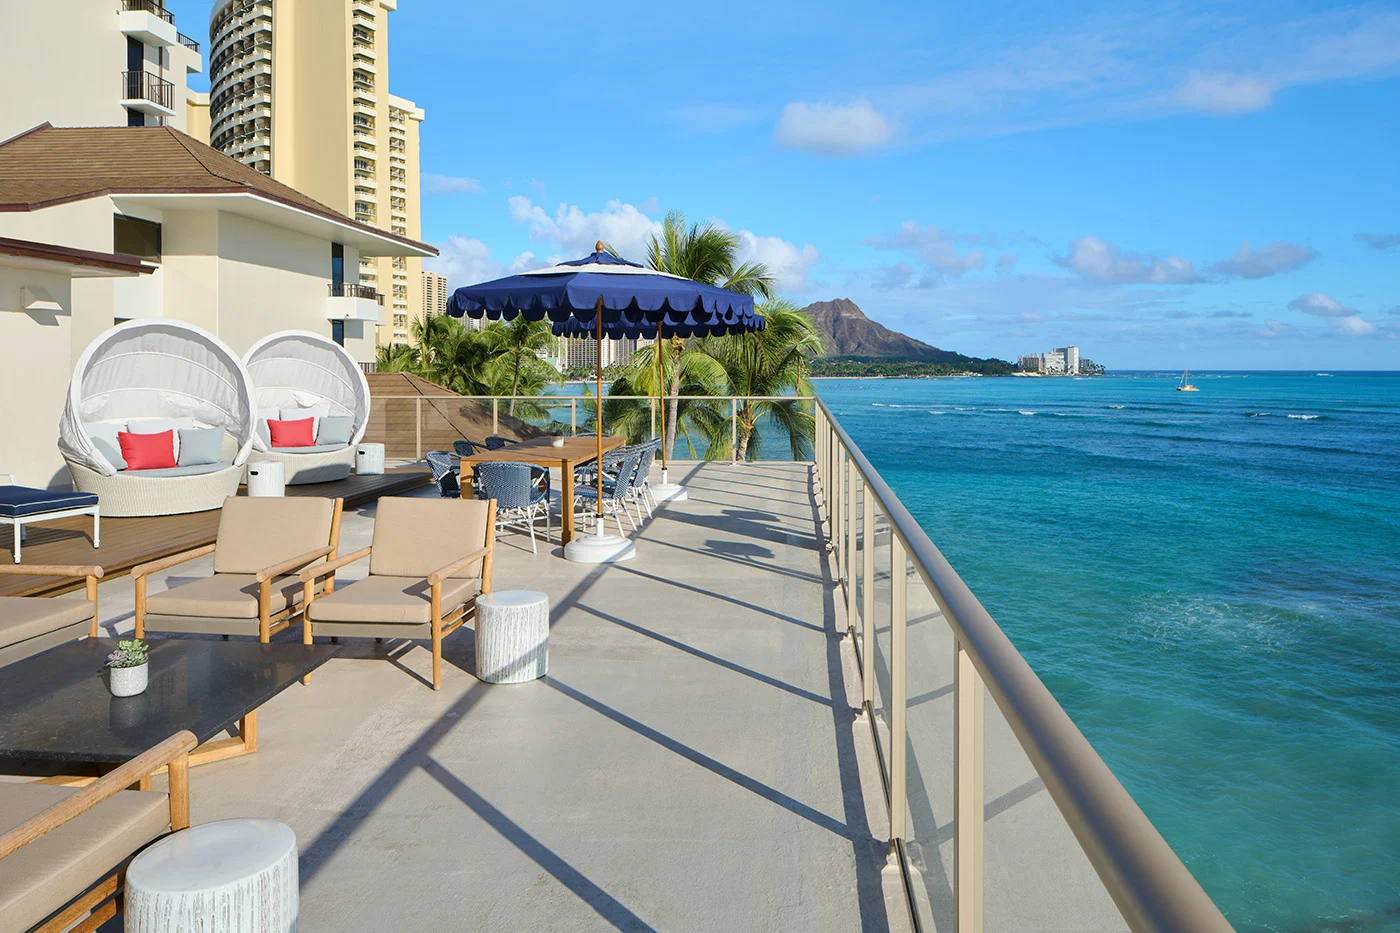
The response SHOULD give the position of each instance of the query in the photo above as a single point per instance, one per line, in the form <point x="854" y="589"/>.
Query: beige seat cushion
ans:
<point x="26" y="617"/>
<point x="55" y="868"/>
<point x="390" y="599"/>
<point x="224" y="596"/>
<point x="257" y="532"/>
<point x="414" y="537"/>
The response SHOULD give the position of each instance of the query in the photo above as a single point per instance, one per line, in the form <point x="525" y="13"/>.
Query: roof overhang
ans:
<point x="367" y="240"/>
<point x="78" y="263"/>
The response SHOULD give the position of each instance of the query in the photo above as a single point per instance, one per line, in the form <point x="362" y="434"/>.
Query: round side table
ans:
<point x="267" y="478"/>
<point x="238" y="876"/>
<point x="512" y="636"/>
<point x="369" y="459"/>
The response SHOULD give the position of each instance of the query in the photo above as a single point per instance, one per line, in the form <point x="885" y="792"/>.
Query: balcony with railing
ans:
<point x="147" y="93"/>
<point x="148" y="21"/>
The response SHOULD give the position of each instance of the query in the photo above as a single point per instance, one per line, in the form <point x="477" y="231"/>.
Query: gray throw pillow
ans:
<point x="201" y="445"/>
<point x="335" y="429"/>
<point x="104" y="438"/>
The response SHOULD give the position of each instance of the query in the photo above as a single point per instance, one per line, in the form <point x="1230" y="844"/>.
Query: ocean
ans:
<point x="1209" y="583"/>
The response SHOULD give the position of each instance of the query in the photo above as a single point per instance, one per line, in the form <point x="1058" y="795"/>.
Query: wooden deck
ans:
<point x="127" y="542"/>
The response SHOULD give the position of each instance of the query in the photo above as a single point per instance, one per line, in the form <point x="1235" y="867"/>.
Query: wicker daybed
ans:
<point x="300" y="374"/>
<point x="156" y="374"/>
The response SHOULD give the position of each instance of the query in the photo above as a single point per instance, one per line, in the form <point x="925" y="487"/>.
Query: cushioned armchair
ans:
<point x="30" y="624"/>
<point x="262" y="544"/>
<point x="429" y="560"/>
<point x="64" y="850"/>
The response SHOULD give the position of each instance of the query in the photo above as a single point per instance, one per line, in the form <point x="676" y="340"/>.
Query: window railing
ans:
<point x="149" y="6"/>
<point x="354" y="290"/>
<point x="187" y="42"/>
<point x="142" y="85"/>
<point x="1148" y="884"/>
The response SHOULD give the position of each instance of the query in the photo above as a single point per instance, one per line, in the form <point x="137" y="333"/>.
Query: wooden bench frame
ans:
<point x="103" y="899"/>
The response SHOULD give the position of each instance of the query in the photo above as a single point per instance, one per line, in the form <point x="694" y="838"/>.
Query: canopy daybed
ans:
<point x="298" y="375"/>
<point x="148" y="376"/>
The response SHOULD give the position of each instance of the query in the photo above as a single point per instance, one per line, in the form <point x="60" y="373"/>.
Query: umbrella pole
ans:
<point x="661" y="401"/>
<point x="598" y="359"/>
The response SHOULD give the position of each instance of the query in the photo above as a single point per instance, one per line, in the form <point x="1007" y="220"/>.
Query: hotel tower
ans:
<point x="299" y="91"/>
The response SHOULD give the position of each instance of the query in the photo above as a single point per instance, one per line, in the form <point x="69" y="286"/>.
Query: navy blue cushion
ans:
<point x="26" y="500"/>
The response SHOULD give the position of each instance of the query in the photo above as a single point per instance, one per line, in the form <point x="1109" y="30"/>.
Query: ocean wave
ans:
<point x="1115" y="406"/>
<point x="1257" y="414"/>
<point x="1025" y="412"/>
<point x="935" y="411"/>
<point x="1304" y="417"/>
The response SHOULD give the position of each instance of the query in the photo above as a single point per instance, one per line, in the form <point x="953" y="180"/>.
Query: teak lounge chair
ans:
<point x="30" y="624"/>
<point x="429" y="560"/>
<point x="262" y="544"/>
<point x="64" y="850"/>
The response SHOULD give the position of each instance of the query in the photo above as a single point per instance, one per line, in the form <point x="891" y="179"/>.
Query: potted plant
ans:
<point x="129" y="668"/>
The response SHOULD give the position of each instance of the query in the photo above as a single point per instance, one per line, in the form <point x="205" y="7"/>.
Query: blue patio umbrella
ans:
<point x="604" y="293"/>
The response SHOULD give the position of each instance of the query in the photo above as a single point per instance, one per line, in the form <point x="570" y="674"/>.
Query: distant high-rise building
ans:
<point x="1030" y="363"/>
<point x="299" y="91"/>
<point x="1053" y="363"/>
<point x="1071" y="360"/>
<point x="582" y="351"/>
<point x="1061" y="361"/>
<point x="434" y="295"/>
<point x="95" y="63"/>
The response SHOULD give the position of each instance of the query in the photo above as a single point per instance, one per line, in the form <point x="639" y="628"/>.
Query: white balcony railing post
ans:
<point x="573" y="416"/>
<point x="418" y="428"/>
<point x="968" y="784"/>
<point x="495" y="416"/>
<point x="851" y="546"/>
<point x="734" y="431"/>
<point x="867" y="609"/>
<point x="899" y="618"/>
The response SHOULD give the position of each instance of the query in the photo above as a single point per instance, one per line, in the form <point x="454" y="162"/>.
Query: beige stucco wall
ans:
<point x="197" y="116"/>
<point x="34" y="350"/>
<point x="311" y="99"/>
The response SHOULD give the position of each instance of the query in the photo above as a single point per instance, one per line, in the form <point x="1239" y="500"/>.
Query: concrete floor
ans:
<point x="690" y="762"/>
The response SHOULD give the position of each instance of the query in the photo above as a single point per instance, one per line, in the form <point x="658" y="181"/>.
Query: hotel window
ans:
<point x="134" y="237"/>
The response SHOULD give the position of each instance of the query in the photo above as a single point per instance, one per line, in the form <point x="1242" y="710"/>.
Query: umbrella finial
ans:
<point x="598" y="247"/>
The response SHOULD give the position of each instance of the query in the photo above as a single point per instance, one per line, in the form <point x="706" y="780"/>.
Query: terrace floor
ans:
<point x="690" y="763"/>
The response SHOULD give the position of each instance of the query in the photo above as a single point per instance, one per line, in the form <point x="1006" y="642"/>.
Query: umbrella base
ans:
<point x="669" y="492"/>
<point x="599" y="549"/>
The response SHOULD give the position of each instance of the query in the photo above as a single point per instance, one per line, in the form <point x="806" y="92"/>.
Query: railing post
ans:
<point x="968" y="786"/>
<point x="899" y="594"/>
<point x="851" y="545"/>
<point x="573" y="417"/>
<point x="867" y="609"/>
<point x="838" y="513"/>
<point x="734" y="431"/>
<point x="651" y="407"/>
<point x="418" y="428"/>
<point x="495" y="415"/>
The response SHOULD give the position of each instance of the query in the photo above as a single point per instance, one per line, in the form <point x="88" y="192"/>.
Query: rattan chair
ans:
<point x="521" y="493"/>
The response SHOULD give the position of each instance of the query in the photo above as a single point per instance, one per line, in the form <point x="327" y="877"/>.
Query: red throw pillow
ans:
<point x="148" y="451"/>
<point x="292" y="433"/>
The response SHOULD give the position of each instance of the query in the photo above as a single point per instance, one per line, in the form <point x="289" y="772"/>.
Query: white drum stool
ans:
<point x="234" y="876"/>
<point x="267" y="478"/>
<point x="369" y="459"/>
<point x="512" y="636"/>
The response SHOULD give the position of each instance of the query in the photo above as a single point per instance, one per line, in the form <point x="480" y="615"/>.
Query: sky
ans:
<point x="1166" y="185"/>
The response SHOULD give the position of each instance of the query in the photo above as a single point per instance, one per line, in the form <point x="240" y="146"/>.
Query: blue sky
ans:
<point x="1166" y="185"/>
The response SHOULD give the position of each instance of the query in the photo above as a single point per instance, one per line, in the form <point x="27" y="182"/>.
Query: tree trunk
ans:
<point x="674" y="402"/>
<point x="746" y="421"/>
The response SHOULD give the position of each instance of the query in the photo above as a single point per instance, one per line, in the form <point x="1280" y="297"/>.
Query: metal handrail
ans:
<point x="142" y="85"/>
<point x="1151" y="887"/>
<point x="153" y="7"/>
<point x="354" y="290"/>
<point x="187" y="42"/>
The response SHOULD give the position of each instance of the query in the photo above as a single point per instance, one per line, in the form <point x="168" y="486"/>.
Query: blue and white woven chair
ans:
<point x="464" y="448"/>
<point x="444" y="466"/>
<point x="615" y="487"/>
<point x="496" y="442"/>
<point x="641" y="485"/>
<point x="521" y="491"/>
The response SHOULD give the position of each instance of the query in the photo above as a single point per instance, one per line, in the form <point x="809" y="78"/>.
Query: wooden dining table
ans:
<point x="541" y="451"/>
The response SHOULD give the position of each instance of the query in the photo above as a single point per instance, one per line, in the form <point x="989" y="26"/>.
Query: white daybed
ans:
<point x="301" y="374"/>
<point x="156" y="374"/>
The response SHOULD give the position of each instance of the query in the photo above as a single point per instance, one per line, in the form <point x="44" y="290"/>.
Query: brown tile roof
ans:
<point x="51" y="165"/>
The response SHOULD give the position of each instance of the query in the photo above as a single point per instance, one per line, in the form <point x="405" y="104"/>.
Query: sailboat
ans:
<point x="1186" y="385"/>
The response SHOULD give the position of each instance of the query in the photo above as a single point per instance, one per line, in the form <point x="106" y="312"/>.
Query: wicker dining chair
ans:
<point x="521" y="491"/>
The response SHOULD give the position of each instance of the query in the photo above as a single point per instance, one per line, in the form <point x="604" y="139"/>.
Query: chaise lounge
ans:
<point x="31" y="624"/>
<point x="144" y="378"/>
<point x="298" y="375"/>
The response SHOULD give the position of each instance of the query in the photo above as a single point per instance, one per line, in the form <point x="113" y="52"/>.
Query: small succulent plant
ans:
<point x="128" y="654"/>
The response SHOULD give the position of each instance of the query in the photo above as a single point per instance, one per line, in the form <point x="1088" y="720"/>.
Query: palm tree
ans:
<point x="700" y="374"/>
<point x="515" y="361"/>
<point x="770" y="362"/>
<point x="706" y="253"/>
<point x="396" y="358"/>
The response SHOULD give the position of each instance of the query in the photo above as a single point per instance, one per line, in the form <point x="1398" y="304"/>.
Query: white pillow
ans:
<point x="316" y="412"/>
<point x="157" y="425"/>
<point x="104" y="438"/>
<point x="263" y="431"/>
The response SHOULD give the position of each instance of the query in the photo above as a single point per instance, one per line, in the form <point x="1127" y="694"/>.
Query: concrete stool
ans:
<point x="236" y="876"/>
<point x="512" y="636"/>
<point x="267" y="478"/>
<point x="369" y="459"/>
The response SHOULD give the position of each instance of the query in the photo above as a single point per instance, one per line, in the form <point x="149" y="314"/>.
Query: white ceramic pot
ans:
<point x="129" y="681"/>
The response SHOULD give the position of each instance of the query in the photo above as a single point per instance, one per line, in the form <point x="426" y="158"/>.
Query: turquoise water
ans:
<point x="1224" y="572"/>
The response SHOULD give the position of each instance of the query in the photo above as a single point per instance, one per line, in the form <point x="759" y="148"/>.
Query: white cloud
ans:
<point x="450" y="184"/>
<point x="1006" y="262"/>
<point x="933" y="246"/>
<point x="1224" y="94"/>
<point x="574" y="232"/>
<point x="835" y="130"/>
<point x="788" y="263"/>
<point x="650" y="206"/>
<point x="1343" y="320"/>
<point x="1102" y="261"/>
<point x="1249" y="263"/>
<point x="466" y="261"/>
